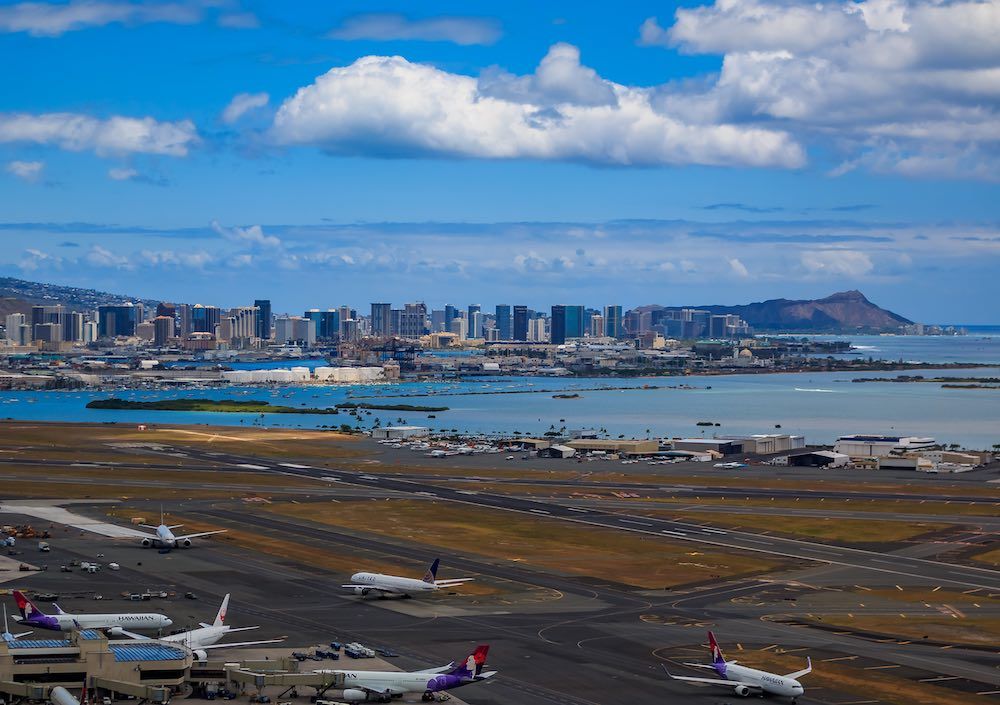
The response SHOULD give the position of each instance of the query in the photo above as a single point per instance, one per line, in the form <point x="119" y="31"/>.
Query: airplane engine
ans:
<point x="200" y="655"/>
<point x="116" y="631"/>
<point x="146" y="543"/>
<point x="354" y="695"/>
<point x="361" y="591"/>
<point x="186" y="543"/>
<point x="742" y="691"/>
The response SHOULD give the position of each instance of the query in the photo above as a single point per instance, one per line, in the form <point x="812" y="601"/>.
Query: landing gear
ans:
<point x="427" y="697"/>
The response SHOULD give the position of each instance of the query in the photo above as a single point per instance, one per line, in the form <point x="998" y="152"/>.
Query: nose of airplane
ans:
<point x="167" y="621"/>
<point x="798" y="689"/>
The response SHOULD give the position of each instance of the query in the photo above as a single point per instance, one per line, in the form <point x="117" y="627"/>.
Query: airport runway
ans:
<point x="886" y="564"/>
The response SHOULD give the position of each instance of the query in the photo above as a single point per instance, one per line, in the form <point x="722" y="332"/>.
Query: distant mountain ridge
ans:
<point x="18" y="294"/>
<point x="846" y="311"/>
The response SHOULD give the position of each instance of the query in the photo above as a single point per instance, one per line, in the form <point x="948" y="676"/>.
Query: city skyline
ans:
<point x="707" y="153"/>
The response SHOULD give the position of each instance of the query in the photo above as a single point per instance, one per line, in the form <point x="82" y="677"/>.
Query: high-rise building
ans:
<point x="294" y="330"/>
<point x="538" y="330"/>
<point x="47" y="332"/>
<point x="567" y="323"/>
<point x="458" y="327"/>
<point x="145" y="331"/>
<point x="504" y="322"/>
<point x="450" y="314"/>
<point x="163" y="330"/>
<point x="165" y="309"/>
<point x="437" y="321"/>
<point x="382" y="320"/>
<point x="349" y="330"/>
<point x="89" y="331"/>
<point x="118" y="320"/>
<point x="476" y="324"/>
<point x="18" y="331"/>
<point x="412" y="322"/>
<point x="469" y="312"/>
<point x="244" y="327"/>
<point x="184" y="323"/>
<point x="263" y="318"/>
<point x="204" y="319"/>
<point x="72" y="327"/>
<point x="47" y="314"/>
<point x="597" y="327"/>
<point x="520" y="328"/>
<point x="613" y="321"/>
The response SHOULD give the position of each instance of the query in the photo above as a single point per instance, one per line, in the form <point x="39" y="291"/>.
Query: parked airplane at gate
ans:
<point x="205" y="637"/>
<point x="747" y="681"/>
<point x="367" y="583"/>
<point x="383" y="686"/>
<point x="165" y="540"/>
<point x="7" y="636"/>
<point x="64" y="622"/>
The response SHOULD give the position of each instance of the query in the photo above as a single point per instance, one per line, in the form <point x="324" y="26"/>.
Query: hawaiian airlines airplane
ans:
<point x="747" y="681"/>
<point x="31" y="616"/>
<point x="365" y="584"/>
<point x="381" y="686"/>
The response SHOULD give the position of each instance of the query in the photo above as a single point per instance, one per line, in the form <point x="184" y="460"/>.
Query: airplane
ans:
<point x="383" y="686"/>
<point x="7" y="636"/>
<point x="205" y="637"/>
<point x="746" y="681"/>
<point x="165" y="540"/>
<point x="365" y="584"/>
<point x="65" y="622"/>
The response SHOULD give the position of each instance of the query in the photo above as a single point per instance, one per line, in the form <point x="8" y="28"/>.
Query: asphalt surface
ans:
<point x="595" y="642"/>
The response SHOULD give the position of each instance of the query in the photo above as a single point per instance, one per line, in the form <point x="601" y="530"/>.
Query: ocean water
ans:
<point x="981" y="345"/>
<point x="818" y="406"/>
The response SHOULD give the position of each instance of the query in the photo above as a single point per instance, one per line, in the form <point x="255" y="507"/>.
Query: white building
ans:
<point x="391" y="432"/>
<point x="863" y="446"/>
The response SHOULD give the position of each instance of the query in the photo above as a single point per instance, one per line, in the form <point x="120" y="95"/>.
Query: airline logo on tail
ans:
<point x="220" y="618"/>
<point x="473" y="664"/>
<point x="431" y="575"/>
<point x="718" y="660"/>
<point x="26" y="606"/>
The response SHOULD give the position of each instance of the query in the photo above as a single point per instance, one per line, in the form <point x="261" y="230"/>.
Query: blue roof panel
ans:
<point x="147" y="652"/>
<point x="41" y="644"/>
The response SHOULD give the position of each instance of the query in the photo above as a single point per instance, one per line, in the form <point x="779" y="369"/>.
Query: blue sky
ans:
<point x="322" y="153"/>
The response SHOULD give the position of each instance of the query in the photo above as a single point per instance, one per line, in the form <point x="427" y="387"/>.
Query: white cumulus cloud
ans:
<point x="390" y="26"/>
<point x="253" y="235"/>
<point x="114" y="135"/>
<point x="26" y="171"/>
<point x="388" y="106"/>
<point x="242" y="104"/>
<point x="907" y="86"/>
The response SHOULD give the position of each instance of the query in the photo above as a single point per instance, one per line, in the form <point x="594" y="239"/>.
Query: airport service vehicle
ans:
<point x="747" y="681"/>
<point x="365" y="584"/>
<point x="165" y="540"/>
<point x="207" y="636"/>
<point x="383" y="686"/>
<point x="31" y="616"/>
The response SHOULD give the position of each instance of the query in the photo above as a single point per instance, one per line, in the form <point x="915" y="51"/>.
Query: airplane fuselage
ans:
<point x="770" y="683"/>
<point x="391" y="583"/>
<point x="69" y="622"/>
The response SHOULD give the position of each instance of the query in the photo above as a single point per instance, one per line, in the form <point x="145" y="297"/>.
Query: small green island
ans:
<point x="249" y="406"/>
<point x="390" y="407"/>
<point x="235" y="406"/>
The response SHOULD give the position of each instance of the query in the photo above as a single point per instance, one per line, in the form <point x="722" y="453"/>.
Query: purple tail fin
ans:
<point x="718" y="660"/>
<point x="431" y="575"/>
<point x="471" y="665"/>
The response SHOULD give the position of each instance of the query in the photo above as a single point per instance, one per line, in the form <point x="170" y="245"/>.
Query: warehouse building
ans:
<point x="864" y="446"/>
<point x="620" y="446"/>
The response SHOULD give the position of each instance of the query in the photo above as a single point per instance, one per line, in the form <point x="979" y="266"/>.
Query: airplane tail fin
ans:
<point x="472" y="665"/>
<point x="431" y="575"/>
<point x="220" y="618"/>
<point x="717" y="657"/>
<point x="26" y="606"/>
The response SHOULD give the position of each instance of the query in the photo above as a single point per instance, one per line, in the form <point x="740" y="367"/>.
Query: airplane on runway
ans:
<point x="747" y="681"/>
<point x="383" y="686"/>
<point x="165" y="540"/>
<point x="207" y="636"/>
<point x="64" y="622"/>
<point x="365" y="584"/>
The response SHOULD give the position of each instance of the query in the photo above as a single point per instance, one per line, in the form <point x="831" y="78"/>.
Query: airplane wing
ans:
<point x="132" y="635"/>
<point x="372" y="588"/>
<point x="702" y="665"/>
<point x="713" y="681"/>
<point x="798" y="674"/>
<point x="240" y="643"/>
<point x="452" y="581"/>
<point x="201" y="533"/>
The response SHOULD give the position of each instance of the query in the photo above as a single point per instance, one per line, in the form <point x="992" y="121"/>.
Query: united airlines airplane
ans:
<point x="747" y="681"/>
<point x="164" y="539"/>
<point x="365" y="584"/>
